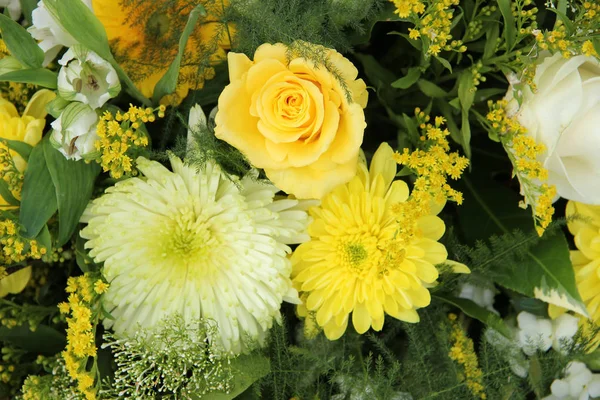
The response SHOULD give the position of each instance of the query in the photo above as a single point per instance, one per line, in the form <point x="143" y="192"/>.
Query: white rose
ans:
<point x="49" y="32"/>
<point x="87" y="78"/>
<point x="74" y="132"/>
<point x="564" y="115"/>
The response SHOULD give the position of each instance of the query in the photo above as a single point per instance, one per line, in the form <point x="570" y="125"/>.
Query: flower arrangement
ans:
<point x="300" y="199"/>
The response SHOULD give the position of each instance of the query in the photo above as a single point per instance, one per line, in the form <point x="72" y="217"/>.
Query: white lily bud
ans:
<point x="14" y="8"/>
<point x="87" y="77"/>
<point x="74" y="132"/>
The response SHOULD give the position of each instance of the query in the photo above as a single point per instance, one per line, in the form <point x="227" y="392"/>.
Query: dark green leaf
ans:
<point x="491" y="41"/>
<point x="74" y="183"/>
<point x="545" y="271"/>
<point x="445" y="63"/>
<point x="39" y="76"/>
<point x="510" y="30"/>
<point x="562" y="16"/>
<point x="84" y="261"/>
<point x="168" y="83"/>
<point x="44" y="340"/>
<point x="409" y="79"/>
<point x="38" y="197"/>
<point x="20" y="44"/>
<point x="466" y="89"/>
<point x="479" y="313"/>
<point x="465" y="133"/>
<point x="536" y="376"/>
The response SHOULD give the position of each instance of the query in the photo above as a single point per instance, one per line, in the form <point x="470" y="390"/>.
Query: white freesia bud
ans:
<point x="14" y="8"/>
<point x="564" y="115"/>
<point x="578" y="384"/>
<point x="49" y="32"/>
<point x="87" y="78"/>
<point x="74" y="132"/>
<point x="534" y="333"/>
<point x="196" y="124"/>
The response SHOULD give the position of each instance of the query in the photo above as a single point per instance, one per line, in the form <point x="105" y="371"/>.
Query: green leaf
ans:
<point x="246" y="369"/>
<point x="562" y="16"/>
<point x="491" y="41"/>
<point x="38" y="197"/>
<point x="431" y="89"/>
<point x="465" y="133"/>
<point x="84" y="261"/>
<point x="510" y="30"/>
<point x="409" y="79"/>
<point x="536" y="376"/>
<point x="466" y="89"/>
<point x="479" y="313"/>
<point x="74" y="183"/>
<point x="168" y="83"/>
<point x="44" y="340"/>
<point x="44" y="239"/>
<point x="22" y="148"/>
<point x="445" y="63"/>
<point x="39" y="76"/>
<point x="545" y="272"/>
<point x="20" y="44"/>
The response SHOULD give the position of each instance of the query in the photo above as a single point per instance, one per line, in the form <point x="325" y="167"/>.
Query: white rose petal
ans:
<point x="482" y="296"/>
<point x="74" y="132"/>
<point x="87" y="78"/>
<point x="564" y="115"/>
<point x="51" y="35"/>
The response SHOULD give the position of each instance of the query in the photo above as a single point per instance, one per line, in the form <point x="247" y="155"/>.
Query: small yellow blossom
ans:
<point x="100" y="286"/>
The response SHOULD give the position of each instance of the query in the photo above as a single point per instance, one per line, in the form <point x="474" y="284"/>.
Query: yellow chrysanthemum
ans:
<point x="144" y="37"/>
<point x="585" y="228"/>
<point x="354" y="262"/>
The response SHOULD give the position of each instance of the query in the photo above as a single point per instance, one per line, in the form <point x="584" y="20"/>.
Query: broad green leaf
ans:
<point x="510" y="30"/>
<point x="545" y="272"/>
<point x="74" y="183"/>
<point x="409" y="79"/>
<point x="44" y="239"/>
<point x="168" y="83"/>
<point x="22" y="148"/>
<point x="44" y="339"/>
<point x="431" y="89"/>
<point x="479" y="313"/>
<point x="20" y="44"/>
<point x="246" y="369"/>
<point x="39" y="76"/>
<point x="38" y="197"/>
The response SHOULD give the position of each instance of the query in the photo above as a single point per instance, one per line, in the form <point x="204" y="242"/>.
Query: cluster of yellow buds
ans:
<point x="121" y="135"/>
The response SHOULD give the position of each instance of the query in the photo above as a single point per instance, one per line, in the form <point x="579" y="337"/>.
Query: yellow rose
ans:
<point x="294" y="119"/>
<point x="27" y="128"/>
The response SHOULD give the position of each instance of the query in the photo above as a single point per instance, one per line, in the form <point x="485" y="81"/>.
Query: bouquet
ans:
<point x="300" y="199"/>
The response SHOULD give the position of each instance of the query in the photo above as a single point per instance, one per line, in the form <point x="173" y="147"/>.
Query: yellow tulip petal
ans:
<point x="15" y="282"/>
<point x="36" y="107"/>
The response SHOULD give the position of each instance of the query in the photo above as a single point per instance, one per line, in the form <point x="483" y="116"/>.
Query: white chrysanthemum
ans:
<point x="193" y="242"/>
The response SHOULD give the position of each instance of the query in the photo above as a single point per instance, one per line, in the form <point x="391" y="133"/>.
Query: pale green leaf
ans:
<point x="431" y="89"/>
<point x="510" y="30"/>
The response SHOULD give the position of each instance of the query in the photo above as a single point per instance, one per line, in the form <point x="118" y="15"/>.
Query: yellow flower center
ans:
<point x="189" y="236"/>
<point x="359" y="254"/>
